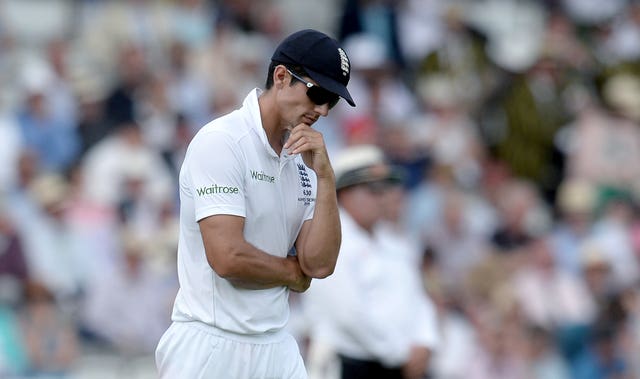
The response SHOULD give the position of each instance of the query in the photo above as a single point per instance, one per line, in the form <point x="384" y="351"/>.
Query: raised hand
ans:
<point x="309" y="142"/>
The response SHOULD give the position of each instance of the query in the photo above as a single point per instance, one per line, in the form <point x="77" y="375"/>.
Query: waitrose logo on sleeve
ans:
<point x="216" y="189"/>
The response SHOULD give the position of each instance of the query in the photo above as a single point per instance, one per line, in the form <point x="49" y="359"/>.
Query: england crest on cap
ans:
<point x="344" y="62"/>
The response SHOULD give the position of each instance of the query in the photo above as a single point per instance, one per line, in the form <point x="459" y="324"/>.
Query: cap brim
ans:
<point x="393" y="175"/>
<point x="331" y="85"/>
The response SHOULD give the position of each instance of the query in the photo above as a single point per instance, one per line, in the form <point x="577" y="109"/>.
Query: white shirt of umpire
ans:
<point x="230" y="168"/>
<point x="373" y="307"/>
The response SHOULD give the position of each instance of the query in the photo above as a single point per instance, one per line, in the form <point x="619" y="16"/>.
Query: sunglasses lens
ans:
<point x="321" y="96"/>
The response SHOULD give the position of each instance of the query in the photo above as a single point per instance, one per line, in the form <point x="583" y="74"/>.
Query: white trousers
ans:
<point x="193" y="350"/>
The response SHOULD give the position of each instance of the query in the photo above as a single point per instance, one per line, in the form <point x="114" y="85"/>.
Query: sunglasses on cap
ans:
<point x="317" y="94"/>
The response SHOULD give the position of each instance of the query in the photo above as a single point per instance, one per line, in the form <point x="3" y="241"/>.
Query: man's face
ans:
<point x="366" y="202"/>
<point x="296" y="106"/>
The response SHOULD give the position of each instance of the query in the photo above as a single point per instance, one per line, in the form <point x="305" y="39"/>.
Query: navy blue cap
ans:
<point x="322" y="58"/>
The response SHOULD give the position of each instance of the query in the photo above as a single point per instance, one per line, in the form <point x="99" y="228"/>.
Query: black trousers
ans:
<point x="360" y="369"/>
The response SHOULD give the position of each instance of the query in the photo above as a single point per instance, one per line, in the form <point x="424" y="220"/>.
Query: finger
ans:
<point x="302" y="146"/>
<point x="295" y="132"/>
<point x="298" y="133"/>
<point x="293" y="138"/>
<point x="311" y="141"/>
<point x="302" y="125"/>
<point x="308" y="144"/>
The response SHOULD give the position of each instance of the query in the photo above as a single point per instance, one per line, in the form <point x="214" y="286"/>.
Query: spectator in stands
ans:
<point x="49" y="333"/>
<point x="573" y="226"/>
<point x="49" y="134"/>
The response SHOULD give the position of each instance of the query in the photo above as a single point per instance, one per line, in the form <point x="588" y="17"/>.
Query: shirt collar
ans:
<point x="251" y="104"/>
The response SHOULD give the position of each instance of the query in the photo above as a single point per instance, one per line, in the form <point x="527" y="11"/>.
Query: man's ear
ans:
<point x="280" y="76"/>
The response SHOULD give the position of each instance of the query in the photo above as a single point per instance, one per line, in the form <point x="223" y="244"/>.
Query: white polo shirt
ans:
<point x="373" y="307"/>
<point x="231" y="169"/>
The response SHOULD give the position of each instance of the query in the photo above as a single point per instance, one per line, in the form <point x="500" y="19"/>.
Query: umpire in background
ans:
<point x="373" y="313"/>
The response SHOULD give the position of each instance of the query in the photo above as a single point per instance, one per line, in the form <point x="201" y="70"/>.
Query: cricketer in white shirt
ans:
<point x="231" y="169"/>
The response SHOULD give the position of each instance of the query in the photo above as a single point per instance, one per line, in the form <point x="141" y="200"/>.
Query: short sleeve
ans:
<point x="214" y="171"/>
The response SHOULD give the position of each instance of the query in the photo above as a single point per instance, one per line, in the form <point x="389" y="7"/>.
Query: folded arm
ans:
<point x="244" y="265"/>
<point x="319" y="240"/>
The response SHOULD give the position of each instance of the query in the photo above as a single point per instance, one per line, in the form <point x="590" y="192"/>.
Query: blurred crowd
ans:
<point x="517" y="122"/>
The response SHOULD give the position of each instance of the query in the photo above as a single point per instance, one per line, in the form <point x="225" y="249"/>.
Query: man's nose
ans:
<point x="323" y="109"/>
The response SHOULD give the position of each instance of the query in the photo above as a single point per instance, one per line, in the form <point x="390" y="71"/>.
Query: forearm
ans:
<point x="318" y="250"/>
<point x="243" y="264"/>
<point x="251" y="268"/>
